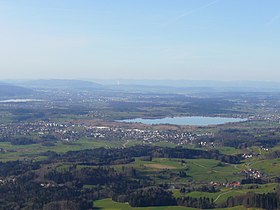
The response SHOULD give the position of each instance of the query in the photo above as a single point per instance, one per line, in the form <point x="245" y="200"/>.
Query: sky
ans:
<point x="140" y="39"/>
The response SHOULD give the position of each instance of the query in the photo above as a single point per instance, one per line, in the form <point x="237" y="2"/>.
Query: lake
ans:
<point x="196" y="120"/>
<point x="20" y="100"/>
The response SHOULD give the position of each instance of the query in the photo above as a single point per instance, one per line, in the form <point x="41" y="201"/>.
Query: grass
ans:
<point x="229" y="150"/>
<point x="108" y="204"/>
<point x="166" y="170"/>
<point x="172" y="163"/>
<point x="165" y="144"/>
<point x="201" y="170"/>
<point x="32" y="151"/>
<point x="219" y="197"/>
<point x="225" y="193"/>
<point x="153" y="165"/>
<point x="207" y="170"/>
<point x="159" y="166"/>
<point x="271" y="166"/>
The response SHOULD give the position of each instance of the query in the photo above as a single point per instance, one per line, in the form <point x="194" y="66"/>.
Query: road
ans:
<point x="124" y="145"/>
<point x="224" y="193"/>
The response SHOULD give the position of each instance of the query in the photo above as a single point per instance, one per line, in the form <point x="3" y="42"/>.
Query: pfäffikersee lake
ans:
<point x="195" y="120"/>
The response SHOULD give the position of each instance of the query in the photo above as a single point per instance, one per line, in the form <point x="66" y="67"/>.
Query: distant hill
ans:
<point x="195" y="85"/>
<point x="60" y="84"/>
<point x="13" y="90"/>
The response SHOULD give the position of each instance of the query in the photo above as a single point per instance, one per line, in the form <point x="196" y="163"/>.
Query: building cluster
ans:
<point x="247" y="156"/>
<point x="252" y="173"/>
<point x="38" y="128"/>
<point x="145" y="135"/>
<point x="226" y="184"/>
<point x="49" y="185"/>
<point x="7" y="180"/>
<point x="76" y="131"/>
<point x="206" y="144"/>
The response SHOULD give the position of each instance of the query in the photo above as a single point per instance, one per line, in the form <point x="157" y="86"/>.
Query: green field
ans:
<point x="270" y="166"/>
<point x="229" y="150"/>
<point x="206" y="170"/>
<point x="203" y="170"/>
<point x="225" y="193"/>
<point x="108" y="204"/>
<point x="32" y="151"/>
<point x="161" y="170"/>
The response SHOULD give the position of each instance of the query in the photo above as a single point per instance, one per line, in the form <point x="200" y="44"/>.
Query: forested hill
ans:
<point x="60" y="84"/>
<point x="12" y="90"/>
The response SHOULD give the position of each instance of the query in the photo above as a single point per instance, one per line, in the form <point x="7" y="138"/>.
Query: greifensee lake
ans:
<point x="195" y="120"/>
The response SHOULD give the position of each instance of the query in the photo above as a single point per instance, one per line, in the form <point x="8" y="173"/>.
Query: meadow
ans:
<point x="108" y="204"/>
<point x="11" y="152"/>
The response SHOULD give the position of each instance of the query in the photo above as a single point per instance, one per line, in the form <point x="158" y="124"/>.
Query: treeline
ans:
<point x="85" y="176"/>
<point x="273" y="154"/>
<point x="102" y="156"/>
<point x="195" y="106"/>
<point x="269" y="201"/>
<point x="241" y="138"/>
<point x="18" y="140"/>
<point x="38" y="185"/>
<point x="59" y="189"/>
<point x="15" y="168"/>
<point x="123" y="189"/>
<point x="201" y="203"/>
<point x="156" y="196"/>
<point x="151" y="196"/>
<point x="22" y="114"/>
<point x="67" y="188"/>
<point x="23" y="140"/>
<point x="31" y="195"/>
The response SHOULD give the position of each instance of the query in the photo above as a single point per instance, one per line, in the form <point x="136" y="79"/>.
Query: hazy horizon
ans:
<point x="213" y="40"/>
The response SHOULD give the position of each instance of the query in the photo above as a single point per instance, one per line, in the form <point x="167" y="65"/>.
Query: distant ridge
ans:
<point x="13" y="90"/>
<point x="193" y="83"/>
<point x="197" y="85"/>
<point x="60" y="84"/>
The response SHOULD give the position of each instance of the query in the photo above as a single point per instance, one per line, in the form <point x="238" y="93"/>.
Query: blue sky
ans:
<point x="140" y="39"/>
